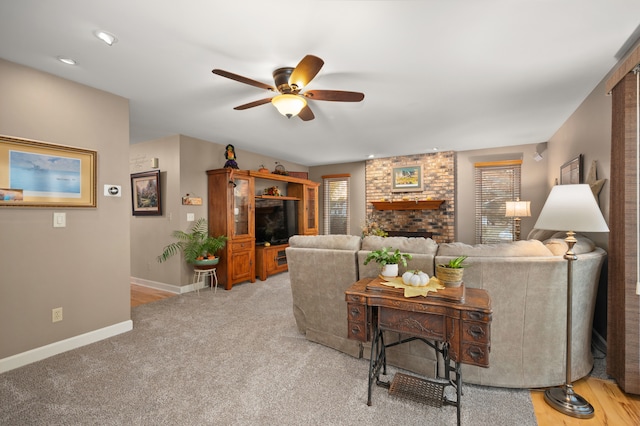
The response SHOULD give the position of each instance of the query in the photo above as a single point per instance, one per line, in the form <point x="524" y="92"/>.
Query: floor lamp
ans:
<point x="517" y="209"/>
<point x="570" y="208"/>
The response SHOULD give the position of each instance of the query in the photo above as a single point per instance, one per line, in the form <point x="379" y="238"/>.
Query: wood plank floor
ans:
<point x="141" y="295"/>
<point x="611" y="405"/>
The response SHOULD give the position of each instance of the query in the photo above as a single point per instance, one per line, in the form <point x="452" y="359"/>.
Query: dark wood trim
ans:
<point x="626" y="65"/>
<point x="336" y="176"/>
<point x="623" y="305"/>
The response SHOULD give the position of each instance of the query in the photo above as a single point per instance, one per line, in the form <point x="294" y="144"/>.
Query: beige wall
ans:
<point x="183" y="162"/>
<point x="587" y="132"/>
<point x="533" y="188"/>
<point x="83" y="268"/>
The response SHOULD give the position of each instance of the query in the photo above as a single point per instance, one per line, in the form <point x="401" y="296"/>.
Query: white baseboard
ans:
<point x="38" y="354"/>
<point x="162" y="286"/>
<point x="166" y="287"/>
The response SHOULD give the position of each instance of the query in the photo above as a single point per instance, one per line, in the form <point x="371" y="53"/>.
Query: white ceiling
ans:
<point x="451" y="75"/>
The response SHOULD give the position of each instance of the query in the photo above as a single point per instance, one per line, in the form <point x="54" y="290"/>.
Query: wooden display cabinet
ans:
<point x="231" y="204"/>
<point x="232" y="213"/>
<point x="271" y="260"/>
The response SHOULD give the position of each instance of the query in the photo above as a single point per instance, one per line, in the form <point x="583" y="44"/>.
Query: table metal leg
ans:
<point x="458" y="391"/>
<point x="376" y="362"/>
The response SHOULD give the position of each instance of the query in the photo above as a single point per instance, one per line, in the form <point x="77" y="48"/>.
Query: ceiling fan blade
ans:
<point x="244" y="80"/>
<point x="334" y="95"/>
<point x="304" y="72"/>
<point x="306" y="114"/>
<point x="253" y="104"/>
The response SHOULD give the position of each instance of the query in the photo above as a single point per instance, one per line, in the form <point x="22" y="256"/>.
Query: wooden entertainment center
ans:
<point x="231" y="211"/>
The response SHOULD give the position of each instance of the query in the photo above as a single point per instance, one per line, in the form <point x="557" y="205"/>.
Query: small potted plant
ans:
<point x="198" y="247"/>
<point x="388" y="260"/>
<point x="451" y="273"/>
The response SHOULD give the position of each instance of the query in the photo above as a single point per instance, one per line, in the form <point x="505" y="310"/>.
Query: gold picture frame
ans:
<point x="407" y="178"/>
<point x="39" y="174"/>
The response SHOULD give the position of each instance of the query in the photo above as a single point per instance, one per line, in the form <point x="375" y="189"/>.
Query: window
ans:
<point x="336" y="204"/>
<point x="496" y="183"/>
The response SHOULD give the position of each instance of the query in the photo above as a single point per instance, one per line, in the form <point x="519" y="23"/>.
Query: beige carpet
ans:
<point x="230" y="358"/>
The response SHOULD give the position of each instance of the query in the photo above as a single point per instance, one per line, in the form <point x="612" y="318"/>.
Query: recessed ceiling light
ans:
<point x="106" y="37"/>
<point x="67" y="61"/>
<point x="371" y="156"/>
<point x="435" y="148"/>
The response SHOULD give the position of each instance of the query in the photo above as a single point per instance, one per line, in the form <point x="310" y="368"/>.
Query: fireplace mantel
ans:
<point x="407" y="205"/>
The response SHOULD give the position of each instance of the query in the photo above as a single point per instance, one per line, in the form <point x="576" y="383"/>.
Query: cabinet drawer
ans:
<point x="475" y="354"/>
<point x="356" y="313"/>
<point x="241" y="246"/>
<point x="357" y="331"/>
<point x="425" y="325"/>
<point x="475" y="332"/>
<point x="476" y="316"/>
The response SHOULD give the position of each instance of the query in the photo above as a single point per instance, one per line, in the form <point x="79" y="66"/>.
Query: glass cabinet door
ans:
<point x="242" y="196"/>
<point x="312" y="208"/>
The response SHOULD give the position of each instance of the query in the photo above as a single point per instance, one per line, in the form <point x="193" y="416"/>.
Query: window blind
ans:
<point x="495" y="184"/>
<point x="336" y="212"/>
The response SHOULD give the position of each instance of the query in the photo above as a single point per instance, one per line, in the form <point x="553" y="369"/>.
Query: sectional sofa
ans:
<point x="526" y="280"/>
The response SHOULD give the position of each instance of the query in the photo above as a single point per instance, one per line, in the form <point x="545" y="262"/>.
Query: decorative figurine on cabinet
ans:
<point x="230" y="155"/>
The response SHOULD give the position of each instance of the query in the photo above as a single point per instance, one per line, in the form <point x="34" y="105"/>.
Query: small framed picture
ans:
<point x="406" y="178"/>
<point x="145" y="194"/>
<point x="571" y="171"/>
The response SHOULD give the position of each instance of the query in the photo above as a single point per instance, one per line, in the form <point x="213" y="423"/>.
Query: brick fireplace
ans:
<point x="439" y="171"/>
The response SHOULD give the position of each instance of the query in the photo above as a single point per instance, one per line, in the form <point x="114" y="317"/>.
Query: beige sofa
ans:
<point x="526" y="280"/>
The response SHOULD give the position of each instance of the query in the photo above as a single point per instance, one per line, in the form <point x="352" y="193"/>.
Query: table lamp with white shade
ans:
<point x="570" y="208"/>
<point x="517" y="209"/>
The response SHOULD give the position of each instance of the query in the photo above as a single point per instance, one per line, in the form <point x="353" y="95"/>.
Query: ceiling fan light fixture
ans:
<point x="289" y="105"/>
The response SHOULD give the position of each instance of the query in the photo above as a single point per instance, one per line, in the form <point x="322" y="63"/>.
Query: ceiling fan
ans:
<point x="288" y="83"/>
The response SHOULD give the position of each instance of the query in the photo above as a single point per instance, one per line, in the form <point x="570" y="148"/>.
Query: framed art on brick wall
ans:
<point x="407" y="178"/>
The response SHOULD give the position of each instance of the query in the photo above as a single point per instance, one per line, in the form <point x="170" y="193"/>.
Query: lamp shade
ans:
<point x="518" y="209"/>
<point x="571" y="208"/>
<point x="289" y="105"/>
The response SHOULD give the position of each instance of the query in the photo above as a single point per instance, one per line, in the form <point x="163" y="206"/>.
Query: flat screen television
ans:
<point x="276" y="220"/>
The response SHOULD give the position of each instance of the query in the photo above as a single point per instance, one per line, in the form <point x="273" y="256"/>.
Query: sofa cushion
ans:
<point x="559" y="247"/>
<point x="334" y="242"/>
<point x="417" y="245"/>
<point x="512" y="249"/>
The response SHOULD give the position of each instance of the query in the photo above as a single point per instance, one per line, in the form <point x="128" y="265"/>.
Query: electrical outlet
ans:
<point x="56" y="315"/>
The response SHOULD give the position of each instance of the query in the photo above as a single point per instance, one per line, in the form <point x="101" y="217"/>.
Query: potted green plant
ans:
<point x="198" y="247"/>
<point x="388" y="260"/>
<point x="451" y="273"/>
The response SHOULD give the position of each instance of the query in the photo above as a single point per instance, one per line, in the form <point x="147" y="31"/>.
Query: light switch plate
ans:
<point x="191" y="217"/>
<point x="59" y="220"/>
